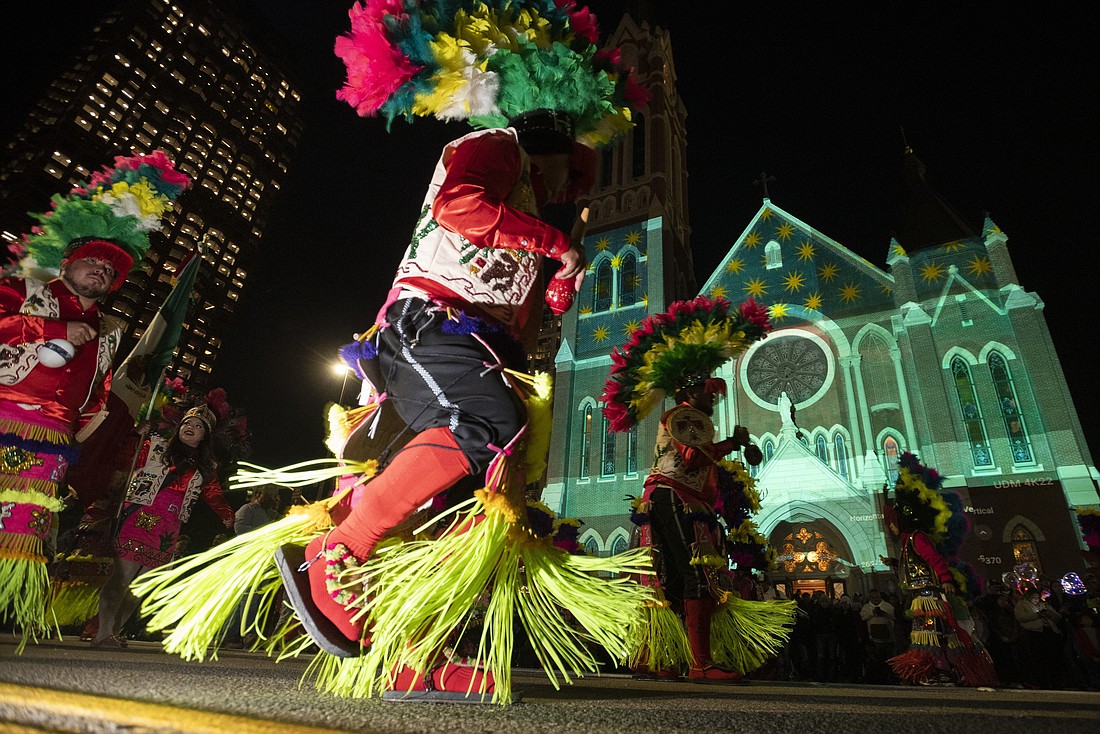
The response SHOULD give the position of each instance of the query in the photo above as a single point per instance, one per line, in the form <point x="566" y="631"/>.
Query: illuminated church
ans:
<point x="939" y="350"/>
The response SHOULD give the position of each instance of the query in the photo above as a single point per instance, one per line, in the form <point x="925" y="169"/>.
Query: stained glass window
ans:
<point x="971" y="412"/>
<point x="822" y="450"/>
<point x="607" y="456"/>
<point x="841" y="455"/>
<point x="628" y="281"/>
<point x="602" y="290"/>
<point x="632" y="450"/>
<point x="586" y="440"/>
<point x="891" y="452"/>
<point x="1024" y="549"/>
<point x="1010" y="409"/>
<point x="769" y="449"/>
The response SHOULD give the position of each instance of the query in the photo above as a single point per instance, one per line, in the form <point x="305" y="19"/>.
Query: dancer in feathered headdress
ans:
<point x="689" y="491"/>
<point x="81" y="250"/>
<point x="442" y="357"/>
<point x="941" y="651"/>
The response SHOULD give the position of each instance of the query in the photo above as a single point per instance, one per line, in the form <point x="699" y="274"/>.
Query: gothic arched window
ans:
<point x="822" y="450"/>
<point x="628" y="281"/>
<point x="601" y="293"/>
<point x="632" y="450"/>
<point x="1010" y="409"/>
<point x="607" y="455"/>
<point x="769" y="449"/>
<point x="773" y="255"/>
<point x="841" y="455"/>
<point x="618" y="546"/>
<point x="891" y="452"/>
<point x="971" y="413"/>
<point x="1024" y="549"/>
<point x="586" y="441"/>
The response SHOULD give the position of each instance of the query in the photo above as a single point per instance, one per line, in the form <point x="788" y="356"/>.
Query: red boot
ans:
<point x="426" y="466"/>
<point x="454" y="682"/>
<point x="697" y="613"/>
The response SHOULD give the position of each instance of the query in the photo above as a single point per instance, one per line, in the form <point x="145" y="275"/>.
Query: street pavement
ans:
<point x="68" y="686"/>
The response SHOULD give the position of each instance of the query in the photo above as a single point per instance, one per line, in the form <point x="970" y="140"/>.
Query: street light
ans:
<point x="340" y="369"/>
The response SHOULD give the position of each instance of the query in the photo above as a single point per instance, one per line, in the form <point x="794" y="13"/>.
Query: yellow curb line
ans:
<point x="40" y="709"/>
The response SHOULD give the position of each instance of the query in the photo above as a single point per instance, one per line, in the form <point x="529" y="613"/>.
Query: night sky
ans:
<point x="997" y="101"/>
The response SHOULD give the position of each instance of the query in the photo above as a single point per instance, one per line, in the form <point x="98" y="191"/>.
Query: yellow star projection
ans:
<point x="827" y="272"/>
<point x="806" y="251"/>
<point x="979" y="266"/>
<point x="767" y="214"/>
<point x="931" y="271"/>
<point x="752" y="240"/>
<point x="736" y="265"/>
<point x="849" y="293"/>
<point x="954" y="246"/>
<point x="718" y="291"/>
<point x="602" y="244"/>
<point x="813" y="301"/>
<point x="794" y="281"/>
<point x="755" y="288"/>
<point x="634" y="238"/>
<point x="785" y="231"/>
<point x="630" y="327"/>
<point x="779" y="311"/>
<point x="600" y="334"/>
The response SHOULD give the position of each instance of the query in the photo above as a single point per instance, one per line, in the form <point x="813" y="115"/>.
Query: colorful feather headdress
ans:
<point x="918" y="503"/>
<point x="119" y="205"/>
<point x="486" y="62"/>
<point x="690" y="338"/>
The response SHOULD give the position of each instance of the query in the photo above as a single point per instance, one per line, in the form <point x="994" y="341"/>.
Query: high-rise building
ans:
<point x="192" y="78"/>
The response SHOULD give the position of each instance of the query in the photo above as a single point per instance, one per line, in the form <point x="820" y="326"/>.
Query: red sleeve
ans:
<point x="17" y="328"/>
<point x="481" y="174"/>
<point x="928" y="552"/>
<point x="212" y="495"/>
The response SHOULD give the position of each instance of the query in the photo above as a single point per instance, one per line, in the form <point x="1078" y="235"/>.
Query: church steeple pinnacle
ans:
<point x="927" y="220"/>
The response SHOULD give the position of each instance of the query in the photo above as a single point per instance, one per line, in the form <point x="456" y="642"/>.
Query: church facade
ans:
<point x="940" y="351"/>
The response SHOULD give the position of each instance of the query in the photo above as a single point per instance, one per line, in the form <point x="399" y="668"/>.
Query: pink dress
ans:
<point x="152" y="519"/>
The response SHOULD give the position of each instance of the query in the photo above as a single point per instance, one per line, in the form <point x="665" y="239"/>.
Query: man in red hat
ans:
<point x="56" y="350"/>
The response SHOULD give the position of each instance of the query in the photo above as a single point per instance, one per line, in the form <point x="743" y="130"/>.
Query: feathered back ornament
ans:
<point x="120" y="206"/>
<point x="917" y="499"/>
<point x="486" y="62"/>
<point x="691" y="338"/>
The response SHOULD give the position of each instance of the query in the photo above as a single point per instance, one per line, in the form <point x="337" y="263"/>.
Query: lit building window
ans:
<point x="971" y="413"/>
<point x="1024" y="549"/>
<point x="1010" y="410"/>
<point x="822" y="449"/>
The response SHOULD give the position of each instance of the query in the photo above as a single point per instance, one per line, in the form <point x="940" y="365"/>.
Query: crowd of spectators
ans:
<point x="1041" y="638"/>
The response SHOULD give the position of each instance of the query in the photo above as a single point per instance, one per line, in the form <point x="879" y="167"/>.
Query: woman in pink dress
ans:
<point x="172" y="474"/>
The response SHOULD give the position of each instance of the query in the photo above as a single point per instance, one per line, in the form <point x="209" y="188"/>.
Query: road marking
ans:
<point x="41" y="709"/>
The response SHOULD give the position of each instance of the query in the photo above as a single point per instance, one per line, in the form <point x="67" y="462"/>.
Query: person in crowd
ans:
<point x="851" y="641"/>
<point x="172" y="474"/>
<point x="1086" y="647"/>
<point x="878" y="615"/>
<point x="1041" y="636"/>
<point x="826" y="641"/>
<point x="262" y="508"/>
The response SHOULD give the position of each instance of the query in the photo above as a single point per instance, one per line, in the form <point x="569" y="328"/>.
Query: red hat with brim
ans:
<point x="101" y="249"/>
